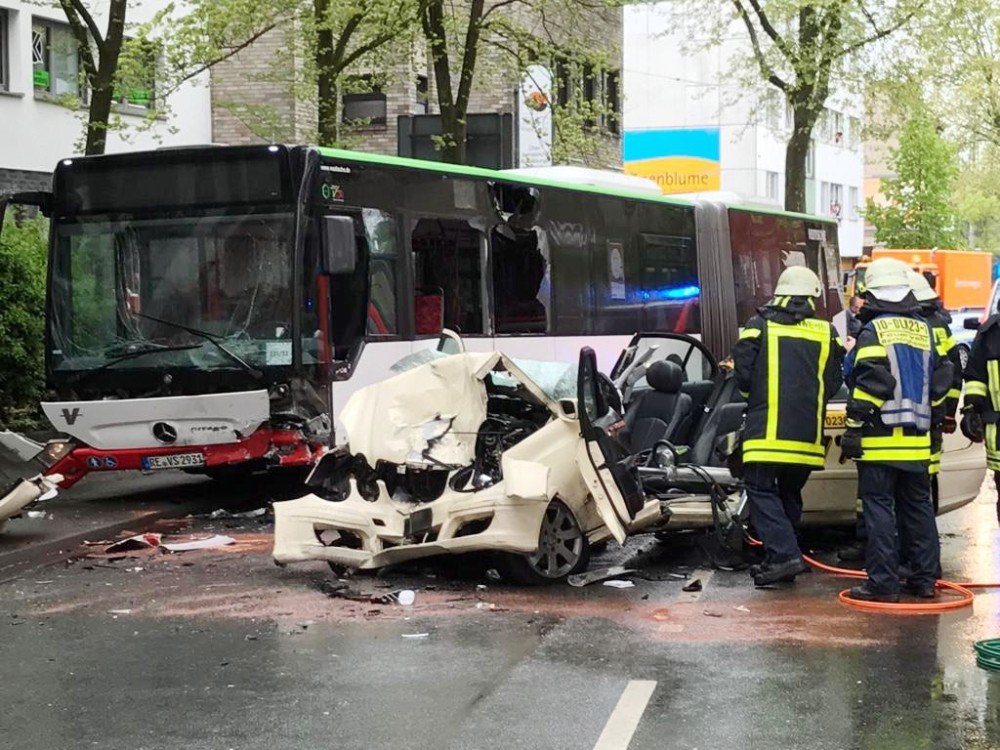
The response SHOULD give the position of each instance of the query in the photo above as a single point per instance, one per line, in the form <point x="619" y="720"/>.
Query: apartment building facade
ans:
<point x="692" y="124"/>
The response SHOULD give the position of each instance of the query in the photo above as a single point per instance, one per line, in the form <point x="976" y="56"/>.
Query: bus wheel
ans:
<point x="562" y="550"/>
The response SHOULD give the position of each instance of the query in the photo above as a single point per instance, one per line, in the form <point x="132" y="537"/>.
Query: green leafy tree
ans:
<point x="23" y="252"/>
<point x="469" y="42"/>
<point x="804" y="49"/>
<point x="180" y="42"/>
<point x="916" y="209"/>
<point x="977" y="199"/>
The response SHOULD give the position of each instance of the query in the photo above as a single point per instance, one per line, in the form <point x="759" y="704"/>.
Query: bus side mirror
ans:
<point x="971" y="324"/>
<point x="339" y="249"/>
<point x="41" y="200"/>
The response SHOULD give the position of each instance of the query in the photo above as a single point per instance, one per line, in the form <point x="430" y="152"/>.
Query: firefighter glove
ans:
<point x="949" y="426"/>
<point x="972" y="426"/>
<point x="850" y="443"/>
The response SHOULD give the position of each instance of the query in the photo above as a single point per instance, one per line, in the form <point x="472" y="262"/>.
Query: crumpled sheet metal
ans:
<point x="394" y="420"/>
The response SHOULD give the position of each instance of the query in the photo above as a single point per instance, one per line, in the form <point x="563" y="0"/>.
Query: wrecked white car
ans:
<point x="477" y="451"/>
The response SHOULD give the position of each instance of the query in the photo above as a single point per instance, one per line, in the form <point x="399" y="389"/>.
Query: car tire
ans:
<point x="563" y="549"/>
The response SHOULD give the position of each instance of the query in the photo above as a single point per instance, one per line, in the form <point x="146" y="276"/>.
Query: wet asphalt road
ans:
<point x="223" y="650"/>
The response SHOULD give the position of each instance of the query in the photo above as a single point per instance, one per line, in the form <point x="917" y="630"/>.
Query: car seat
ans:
<point x="661" y="413"/>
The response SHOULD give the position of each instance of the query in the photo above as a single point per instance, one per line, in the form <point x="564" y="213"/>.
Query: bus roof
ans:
<point x="515" y="176"/>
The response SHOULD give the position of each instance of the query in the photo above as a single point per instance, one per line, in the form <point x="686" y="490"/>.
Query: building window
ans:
<point x="824" y="196"/>
<point x="423" y="94"/>
<point x="4" y="60"/>
<point x="852" y="203"/>
<point x="836" y="198"/>
<point x="55" y="59"/>
<point x="838" y="128"/>
<point x="771" y="185"/>
<point x="138" y="87"/>
<point x="597" y="91"/>
<point x="612" y="101"/>
<point x="811" y="160"/>
<point x="364" y="102"/>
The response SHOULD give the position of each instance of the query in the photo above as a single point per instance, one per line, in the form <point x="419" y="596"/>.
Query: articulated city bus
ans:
<point x="211" y="307"/>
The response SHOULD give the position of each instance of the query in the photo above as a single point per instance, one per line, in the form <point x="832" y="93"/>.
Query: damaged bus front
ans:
<point x="186" y="322"/>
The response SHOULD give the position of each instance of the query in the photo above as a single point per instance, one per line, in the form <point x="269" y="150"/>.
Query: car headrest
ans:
<point x="664" y="376"/>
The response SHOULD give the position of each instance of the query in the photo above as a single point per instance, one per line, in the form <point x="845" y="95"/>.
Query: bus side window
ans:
<point x="669" y="280"/>
<point x="380" y="231"/>
<point x="519" y="270"/>
<point x="448" y="276"/>
<point x="762" y="247"/>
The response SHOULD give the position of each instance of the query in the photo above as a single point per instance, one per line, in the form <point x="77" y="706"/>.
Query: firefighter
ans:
<point x="981" y="413"/>
<point x="898" y="387"/>
<point x="788" y="365"/>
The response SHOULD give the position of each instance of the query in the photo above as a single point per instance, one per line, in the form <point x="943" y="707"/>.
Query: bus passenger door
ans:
<point x="600" y="458"/>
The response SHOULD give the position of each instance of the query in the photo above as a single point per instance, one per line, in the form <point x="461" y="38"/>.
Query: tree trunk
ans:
<point x="796" y="154"/>
<point x="328" y="127"/>
<point x="453" y="150"/>
<point x="99" y="114"/>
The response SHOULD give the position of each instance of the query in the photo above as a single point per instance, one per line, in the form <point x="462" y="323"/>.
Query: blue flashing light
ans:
<point x="690" y="291"/>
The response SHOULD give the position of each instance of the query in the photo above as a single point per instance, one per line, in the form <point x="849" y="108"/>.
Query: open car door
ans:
<point x="600" y="458"/>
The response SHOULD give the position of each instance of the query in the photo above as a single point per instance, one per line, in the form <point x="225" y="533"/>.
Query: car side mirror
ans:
<point x="971" y="324"/>
<point x="339" y="249"/>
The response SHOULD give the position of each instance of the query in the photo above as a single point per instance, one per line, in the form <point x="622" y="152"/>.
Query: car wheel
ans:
<point x="963" y="356"/>
<point x="562" y="550"/>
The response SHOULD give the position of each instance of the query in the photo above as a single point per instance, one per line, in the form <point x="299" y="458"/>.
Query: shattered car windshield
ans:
<point x="556" y="379"/>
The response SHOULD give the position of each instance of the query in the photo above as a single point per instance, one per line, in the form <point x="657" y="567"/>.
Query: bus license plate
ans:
<point x="175" y="461"/>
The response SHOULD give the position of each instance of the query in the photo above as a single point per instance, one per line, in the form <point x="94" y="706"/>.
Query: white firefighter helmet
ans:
<point x="887" y="279"/>
<point x="798" y="281"/>
<point x="921" y="287"/>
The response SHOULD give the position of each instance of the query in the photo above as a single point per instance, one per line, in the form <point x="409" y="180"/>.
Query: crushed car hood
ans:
<point x="430" y="414"/>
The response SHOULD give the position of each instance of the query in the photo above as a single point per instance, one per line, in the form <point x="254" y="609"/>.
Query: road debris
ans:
<point x="741" y="608"/>
<point x="406" y="597"/>
<point x="709" y="613"/>
<point x="130" y="544"/>
<point x="218" y="540"/>
<point x="601" y="574"/>
<point x="223" y="513"/>
<point x="415" y="635"/>
<point x="619" y="584"/>
<point x="38" y="514"/>
<point x="695" y="585"/>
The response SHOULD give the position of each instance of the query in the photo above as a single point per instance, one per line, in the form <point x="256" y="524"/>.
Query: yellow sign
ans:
<point x="679" y="174"/>
<point x="905" y="331"/>
<point x="679" y="160"/>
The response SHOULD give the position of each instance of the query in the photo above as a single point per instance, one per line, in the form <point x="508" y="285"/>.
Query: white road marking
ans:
<point x="625" y="718"/>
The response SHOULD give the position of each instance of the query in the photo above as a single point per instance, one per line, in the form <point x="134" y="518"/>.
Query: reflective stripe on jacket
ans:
<point x="788" y="365"/>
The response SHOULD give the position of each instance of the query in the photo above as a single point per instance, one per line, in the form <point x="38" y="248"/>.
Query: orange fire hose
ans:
<point x="962" y="589"/>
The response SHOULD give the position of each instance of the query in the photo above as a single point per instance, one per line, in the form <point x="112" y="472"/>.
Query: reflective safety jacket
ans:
<point x="788" y="366"/>
<point x="898" y="385"/>
<point x="982" y="384"/>
<point x="940" y="320"/>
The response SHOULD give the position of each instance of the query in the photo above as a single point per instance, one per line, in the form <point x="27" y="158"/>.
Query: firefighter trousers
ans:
<point x="775" y="495"/>
<point x="895" y="498"/>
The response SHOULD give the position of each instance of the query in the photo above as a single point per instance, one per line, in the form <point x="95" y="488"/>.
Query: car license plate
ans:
<point x="173" y="461"/>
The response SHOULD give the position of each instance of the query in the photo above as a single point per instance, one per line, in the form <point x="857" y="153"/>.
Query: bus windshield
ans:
<point x="153" y="291"/>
